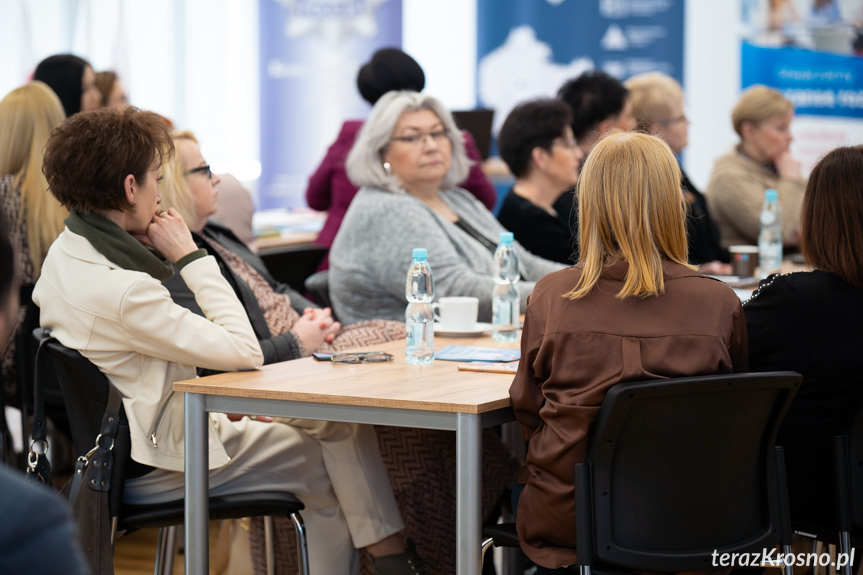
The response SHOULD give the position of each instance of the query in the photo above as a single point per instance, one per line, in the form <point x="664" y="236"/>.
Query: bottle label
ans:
<point x="768" y="218"/>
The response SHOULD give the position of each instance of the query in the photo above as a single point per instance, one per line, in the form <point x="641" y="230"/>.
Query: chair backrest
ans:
<point x="293" y="264"/>
<point x="26" y="347"/>
<point x="318" y="286"/>
<point x="684" y="467"/>
<point x="854" y="461"/>
<point x="85" y="392"/>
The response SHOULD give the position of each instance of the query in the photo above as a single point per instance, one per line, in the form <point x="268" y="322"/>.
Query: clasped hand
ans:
<point x="315" y="327"/>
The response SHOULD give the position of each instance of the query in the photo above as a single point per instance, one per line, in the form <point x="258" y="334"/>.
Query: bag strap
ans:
<point x="38" y="466"/>
<point x="101" y="457"/>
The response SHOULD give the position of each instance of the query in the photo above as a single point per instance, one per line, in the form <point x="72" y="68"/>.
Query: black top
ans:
<point x="702" y="232"/>
<point x="541" y="233"/>
<point x="810" y="322"/>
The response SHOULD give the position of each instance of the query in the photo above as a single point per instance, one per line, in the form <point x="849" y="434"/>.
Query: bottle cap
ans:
<point x="771" y="195"/>
<point x="420" y="254"/>
<point x="506" y="238"/>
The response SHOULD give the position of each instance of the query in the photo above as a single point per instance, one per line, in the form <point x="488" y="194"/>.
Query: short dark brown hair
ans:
<point x="88" y="157"/>
<point x="537" y="123"/>
<point x="593" y="97"/>
<point x="832" y="218"/>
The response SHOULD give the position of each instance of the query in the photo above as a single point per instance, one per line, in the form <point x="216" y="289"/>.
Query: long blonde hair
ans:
<point x="174" y="189"/>
<point x="27" y="116"/>
<point x="630" y="208"/>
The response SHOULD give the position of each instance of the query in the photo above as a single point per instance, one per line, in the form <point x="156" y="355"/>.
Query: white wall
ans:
<point x="441" y="36"/>
<point x="193" y="61"/>
<point x="711" y="82"/>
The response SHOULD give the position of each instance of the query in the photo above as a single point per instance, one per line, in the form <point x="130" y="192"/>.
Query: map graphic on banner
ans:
<point x="311" y="51"/>
<point x="809" y="55"/>
<point x="529" y="48"/>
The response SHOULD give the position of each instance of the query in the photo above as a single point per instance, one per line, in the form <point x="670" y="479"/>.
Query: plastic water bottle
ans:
<point x="419" y="320"/>
<point x="504" y="298"/>
<point x="770" y="238"/>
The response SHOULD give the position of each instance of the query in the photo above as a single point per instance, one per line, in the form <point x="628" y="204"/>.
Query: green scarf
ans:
<point x="117" y="245"/>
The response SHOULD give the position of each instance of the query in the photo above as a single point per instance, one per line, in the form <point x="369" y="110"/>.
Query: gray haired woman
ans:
<point x="407" y="159"/>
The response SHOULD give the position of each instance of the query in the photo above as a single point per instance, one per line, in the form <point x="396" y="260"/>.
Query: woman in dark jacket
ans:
<point x="73" y="80"/>
<point x="537" y="144"/>
<point x="809" y="322"/>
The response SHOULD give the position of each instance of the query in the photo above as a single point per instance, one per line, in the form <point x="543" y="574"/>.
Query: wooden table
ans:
<point x="286" y="239"/>
<point x="393" y="393"/>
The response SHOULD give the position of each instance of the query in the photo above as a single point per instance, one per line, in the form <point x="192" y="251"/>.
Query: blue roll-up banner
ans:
<point x="818" y="83"/>
<point x="529" y="48"/>
<point x="311" y="51"/>
<point x="826" y="90"/>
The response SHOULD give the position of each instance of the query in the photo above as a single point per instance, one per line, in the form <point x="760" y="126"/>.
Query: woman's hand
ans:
<point x="169" y="235"/>
<point x="787" y="167"/>
<point x="315" y="327"/>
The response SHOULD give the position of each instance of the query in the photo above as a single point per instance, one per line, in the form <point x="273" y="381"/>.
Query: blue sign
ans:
<point x="818" y="83"/>
<point x="529" y="48"/>
<point x="311" y="51"/>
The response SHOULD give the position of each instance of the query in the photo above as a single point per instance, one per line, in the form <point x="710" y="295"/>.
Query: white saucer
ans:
<point x="478" y="329"/>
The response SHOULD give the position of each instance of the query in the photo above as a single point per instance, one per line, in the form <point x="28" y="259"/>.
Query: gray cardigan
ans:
<point x="371" y="254"/>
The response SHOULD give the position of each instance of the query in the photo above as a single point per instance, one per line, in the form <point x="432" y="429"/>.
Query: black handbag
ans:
<point x="88" y="494"/>
<point x="91" y="480"/>
<point x="38" y="467"/>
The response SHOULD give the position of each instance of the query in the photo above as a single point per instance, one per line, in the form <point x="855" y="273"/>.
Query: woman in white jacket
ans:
<point x="100" y="293"/>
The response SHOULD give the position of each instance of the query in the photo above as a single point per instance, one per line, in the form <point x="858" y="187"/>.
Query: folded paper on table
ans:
<point x="489" y="367"/>
<point x="470" y="353"/>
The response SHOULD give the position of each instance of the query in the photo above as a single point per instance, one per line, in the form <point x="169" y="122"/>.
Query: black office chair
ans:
<point x="85" y="390"/>
<point x="678" y="469"/>
<point x="293" y="264"/>
<point x="25" y="363"/>
<point x="318" y="286"/>
<point x="846" y="456"/>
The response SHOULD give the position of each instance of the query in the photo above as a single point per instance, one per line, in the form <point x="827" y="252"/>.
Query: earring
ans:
<point x="388" y="169"/>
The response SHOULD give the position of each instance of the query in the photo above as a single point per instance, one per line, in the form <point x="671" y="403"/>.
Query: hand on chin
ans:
<point x="143" y="238"/>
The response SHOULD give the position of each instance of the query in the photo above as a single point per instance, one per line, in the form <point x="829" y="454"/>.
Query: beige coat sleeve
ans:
<point x="736" y="195"/>
<point x="157" y="327"/>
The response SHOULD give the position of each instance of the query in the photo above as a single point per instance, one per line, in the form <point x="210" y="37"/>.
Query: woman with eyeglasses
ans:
<point x="407" y="158"/>
<point x="330" y="189"/>
<point x="657" y="103"/>
<point x="101" y="293"/>
<point x="537" y="144"/>
<point x="288" y="326"/>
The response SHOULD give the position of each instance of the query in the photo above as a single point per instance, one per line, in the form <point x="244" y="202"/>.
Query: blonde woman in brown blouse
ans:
<point x="631" y="309"/>
<point x="27" y="116"/>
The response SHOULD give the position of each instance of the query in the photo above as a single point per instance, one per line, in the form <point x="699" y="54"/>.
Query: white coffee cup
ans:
<point x="456" y="313"/>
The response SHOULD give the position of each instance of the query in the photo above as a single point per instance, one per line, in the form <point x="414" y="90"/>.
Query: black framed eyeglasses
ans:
<point x="362" y="357"/>
<point x="200" y="170"/>
<point x="437" y="137"/>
